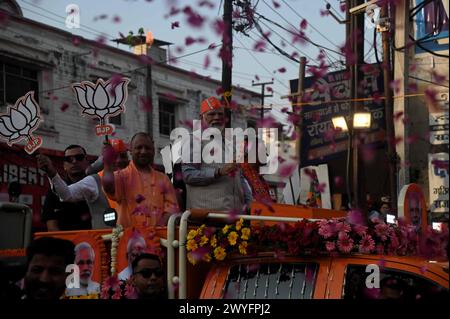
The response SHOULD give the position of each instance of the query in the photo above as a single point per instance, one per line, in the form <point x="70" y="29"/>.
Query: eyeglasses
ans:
<point x="147" y="273"/>
<point x="78" y="158"/>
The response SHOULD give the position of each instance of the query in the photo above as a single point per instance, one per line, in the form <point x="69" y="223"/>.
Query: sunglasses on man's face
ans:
<point x="77" y="158"/>
<point x="147" y="273"/>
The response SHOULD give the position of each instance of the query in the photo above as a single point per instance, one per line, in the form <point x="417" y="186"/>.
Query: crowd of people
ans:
<point x="140" y="194"/>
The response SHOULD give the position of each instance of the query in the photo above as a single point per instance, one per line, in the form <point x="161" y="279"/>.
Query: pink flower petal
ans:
<point x="139" y="198"/>
<point x="116" y="19"/>
<point x="146" y="103"/>
<point x="303" y="24"/>
<point x="287" y="169"/>
<point x="206" y="62"/>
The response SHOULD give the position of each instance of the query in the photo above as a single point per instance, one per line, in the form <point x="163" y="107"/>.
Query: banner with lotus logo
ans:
<point x="20" y="121"/>
<point x="102" y="100"/>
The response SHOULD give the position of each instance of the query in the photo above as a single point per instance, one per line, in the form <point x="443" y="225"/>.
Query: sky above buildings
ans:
<point x="253" y="57"/>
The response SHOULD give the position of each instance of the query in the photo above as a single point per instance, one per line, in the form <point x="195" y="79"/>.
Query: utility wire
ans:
<point x="311" y="59"/>
<point x="262" y="65"/>
<point x="299" y="35"/>
<point x="312" y="26"/>
<point x="83" y="28"/>
<point x="287" y="41"/>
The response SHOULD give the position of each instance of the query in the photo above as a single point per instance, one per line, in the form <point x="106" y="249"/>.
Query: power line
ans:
<point x="341" y="17"/>
<point x="311" y="59"/>
<point x="262" y="65"/>
<point x="295" y="33"/>
<point x="283" y="56"/>
<point x="199" y="64"/>
<point x="428" y="81"/>
<point x="304" y="37"/>
<point x="287" y="41"/>
<point x="312" y="26"/>
<point x="335" y="11"/>
<point x="87" y="30"/>
<point x="271" y="51"/>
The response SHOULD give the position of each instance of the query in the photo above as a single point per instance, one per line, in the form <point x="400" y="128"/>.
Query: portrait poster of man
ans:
<point x="134" y="242"/>
<point x="315" y="187"/>
<point x="88" y="252"/>
<point x="88" y="257"/>
<point x="412" y="206"/>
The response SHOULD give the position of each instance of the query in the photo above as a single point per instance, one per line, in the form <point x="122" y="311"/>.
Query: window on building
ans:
<point x="271" y="281"/>
<point x="16" y="81"/>
<point x="166" y="117"/>
<point x="431" y="21"/>
<point x="394" y="284"/>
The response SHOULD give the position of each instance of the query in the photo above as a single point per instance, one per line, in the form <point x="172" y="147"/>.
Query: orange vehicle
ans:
<point x="326" y="278"/>
<point x="269" y="274"/>
<point x="358" y="276"/>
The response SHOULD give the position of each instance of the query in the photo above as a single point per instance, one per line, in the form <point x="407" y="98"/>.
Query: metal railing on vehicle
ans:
<point x="171" y="243"/>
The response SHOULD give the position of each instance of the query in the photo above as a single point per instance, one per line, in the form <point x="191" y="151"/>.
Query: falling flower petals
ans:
<point x="64" y="107"/>
<point x="303" y="24"/>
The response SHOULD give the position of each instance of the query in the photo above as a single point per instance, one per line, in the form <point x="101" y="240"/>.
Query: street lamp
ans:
<point x="361" y="121"/>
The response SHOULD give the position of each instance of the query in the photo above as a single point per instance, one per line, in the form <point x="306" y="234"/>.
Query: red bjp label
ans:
<point x="33" y="144"/>
<point x="102" y="130"/>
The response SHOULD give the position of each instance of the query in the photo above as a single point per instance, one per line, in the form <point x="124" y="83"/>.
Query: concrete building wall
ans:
<point x="61" y="61"/>
<point x="417" y="73"/>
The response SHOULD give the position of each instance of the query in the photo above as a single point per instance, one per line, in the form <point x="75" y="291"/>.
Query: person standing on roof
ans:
<point x="215" y="186"/>
<point x="87" y="189"/>
<point x="145" y="196"/>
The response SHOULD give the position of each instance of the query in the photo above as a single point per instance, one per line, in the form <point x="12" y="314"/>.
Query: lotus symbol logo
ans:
<point x="102" y="100"/>
<point x="20" y="121"/>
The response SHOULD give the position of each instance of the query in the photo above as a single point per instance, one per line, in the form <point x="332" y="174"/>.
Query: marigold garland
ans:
<point x="209" y="243"/>
<point x="112" y="287"/>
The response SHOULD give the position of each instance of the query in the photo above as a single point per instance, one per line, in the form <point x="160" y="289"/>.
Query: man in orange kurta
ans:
<point x="145" y="196"/>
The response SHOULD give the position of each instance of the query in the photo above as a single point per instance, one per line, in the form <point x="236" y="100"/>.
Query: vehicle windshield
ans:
<point x="393" y="284"/>
<point x="271" y="281"/>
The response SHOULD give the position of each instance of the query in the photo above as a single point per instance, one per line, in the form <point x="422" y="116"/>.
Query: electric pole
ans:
<point x="263" y="95"/>
<point x="389" y="104"/>
<point x="227" y="56"/>
<point x="356" y="38"/>
<point x="296" y="109"/>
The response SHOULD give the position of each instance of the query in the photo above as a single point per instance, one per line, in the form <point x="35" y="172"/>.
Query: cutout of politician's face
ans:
<point x="85" y="262"/>
<point x="415" y="211"/>
<point x="137" y="248"/>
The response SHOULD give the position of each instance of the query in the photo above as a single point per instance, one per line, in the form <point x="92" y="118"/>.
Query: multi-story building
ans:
<point x="421" y="56"/>
<point x="47" y="60"/>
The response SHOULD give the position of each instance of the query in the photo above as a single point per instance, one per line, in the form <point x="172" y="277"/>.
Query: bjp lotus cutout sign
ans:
<point x="20" y="121"/>
<point x="102" y="100"/>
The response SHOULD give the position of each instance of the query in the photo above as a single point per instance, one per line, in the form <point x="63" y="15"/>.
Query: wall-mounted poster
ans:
<point x="438" y="181"/>
<point x="328" y="97"/>
<point x="412" y="206"/>
<point x="315" y="187"/>
<point x="438" y="128"/>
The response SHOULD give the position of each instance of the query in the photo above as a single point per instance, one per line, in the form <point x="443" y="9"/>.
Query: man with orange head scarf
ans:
<point x="215" y="186"/>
